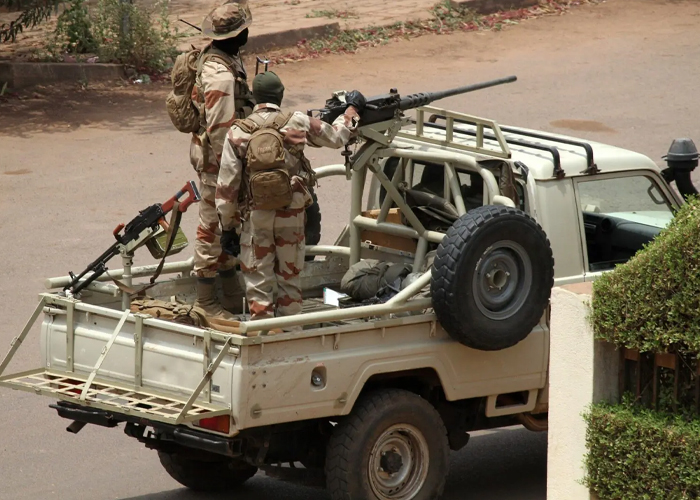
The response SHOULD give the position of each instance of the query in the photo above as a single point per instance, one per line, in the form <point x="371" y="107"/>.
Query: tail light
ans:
<point x="221" y="424"/>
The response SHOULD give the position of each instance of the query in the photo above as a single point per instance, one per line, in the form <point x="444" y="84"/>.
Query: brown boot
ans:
<point x="234" y="292"/>
<point x="208" y="301"/>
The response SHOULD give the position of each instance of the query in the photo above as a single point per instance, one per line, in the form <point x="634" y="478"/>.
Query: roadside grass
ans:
<point x="333" y="14"/>
<point x="446" y="18"/>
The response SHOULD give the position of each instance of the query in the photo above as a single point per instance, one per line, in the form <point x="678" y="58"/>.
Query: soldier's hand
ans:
<point x="231" y="242"/>
<point x="355" y="99"/>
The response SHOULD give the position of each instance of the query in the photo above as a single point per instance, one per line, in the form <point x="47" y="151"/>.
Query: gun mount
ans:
<point x="385" y="106"/>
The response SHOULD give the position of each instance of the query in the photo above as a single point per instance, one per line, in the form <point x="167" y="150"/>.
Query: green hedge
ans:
<point x="652" y="303"/>
<point x="636" y="454"/>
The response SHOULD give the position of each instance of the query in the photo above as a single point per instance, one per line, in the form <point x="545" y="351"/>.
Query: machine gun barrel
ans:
<point x="424" y="98"/>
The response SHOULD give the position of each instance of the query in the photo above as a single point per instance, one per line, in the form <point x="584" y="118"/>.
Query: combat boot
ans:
<point x="208" y="301"/>
<point x="234" y="293"/>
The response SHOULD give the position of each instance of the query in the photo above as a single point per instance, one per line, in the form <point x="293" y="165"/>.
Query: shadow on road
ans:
<point x="66" y="108"/>
<point x="508" y="464"/>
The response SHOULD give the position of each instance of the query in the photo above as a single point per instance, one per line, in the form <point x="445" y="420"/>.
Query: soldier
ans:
<point x="272" y="240"/>
<point x="223" y="94"/>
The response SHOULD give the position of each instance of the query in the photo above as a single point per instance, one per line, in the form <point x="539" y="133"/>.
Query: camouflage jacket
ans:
<point x="299" y="131"/>
<point x="224" y="96"/>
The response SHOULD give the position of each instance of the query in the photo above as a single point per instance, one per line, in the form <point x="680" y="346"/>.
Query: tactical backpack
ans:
<point x="268" y="179"/>
<point x="187" y="115"/>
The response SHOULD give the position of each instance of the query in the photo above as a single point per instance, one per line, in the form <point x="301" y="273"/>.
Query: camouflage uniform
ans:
<point x="272" y="241"/>
<point x="218" y="92"/>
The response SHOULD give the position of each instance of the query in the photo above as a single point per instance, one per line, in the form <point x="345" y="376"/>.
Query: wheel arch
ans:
<point x="419" y="376"/>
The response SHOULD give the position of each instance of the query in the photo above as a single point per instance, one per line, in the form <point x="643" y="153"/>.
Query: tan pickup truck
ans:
<point x="372" y="394"/>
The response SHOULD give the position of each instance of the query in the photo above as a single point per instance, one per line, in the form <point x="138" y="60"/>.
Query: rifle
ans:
<point x="136" y="232"/>
<point x="384" y="107"/>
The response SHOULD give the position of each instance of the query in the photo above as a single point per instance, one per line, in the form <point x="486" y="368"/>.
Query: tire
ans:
<point x="204" y="475"/>
<point x="492" y="277"/>
<point x="402" y="424"/>
<point x="313" y="224"/>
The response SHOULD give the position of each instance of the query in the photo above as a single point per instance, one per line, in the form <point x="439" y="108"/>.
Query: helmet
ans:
<point x="227" y="20"/>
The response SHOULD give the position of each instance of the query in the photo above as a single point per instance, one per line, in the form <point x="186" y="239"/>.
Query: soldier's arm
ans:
<point x="315" y="132"/>
<point x="219" y="101"/>
<point x="229" y="182"/>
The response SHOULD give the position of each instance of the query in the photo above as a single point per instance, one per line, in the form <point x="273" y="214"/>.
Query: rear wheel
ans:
<point x="217" y="474"/>
<point x="393" y="446"/>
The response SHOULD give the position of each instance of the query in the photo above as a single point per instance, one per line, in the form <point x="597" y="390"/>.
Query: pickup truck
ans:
<point x="371" y="395"/>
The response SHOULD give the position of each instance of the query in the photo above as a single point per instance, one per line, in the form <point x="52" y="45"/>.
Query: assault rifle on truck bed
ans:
<point x="384" y="107"/>
<point x="144" y="226"/>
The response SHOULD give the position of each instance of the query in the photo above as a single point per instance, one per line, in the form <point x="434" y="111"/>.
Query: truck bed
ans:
<point x="97" y="356"/>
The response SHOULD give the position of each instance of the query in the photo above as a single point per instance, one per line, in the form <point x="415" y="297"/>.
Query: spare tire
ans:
<point x="492" y="277"/>
<point x="313" y="224"/>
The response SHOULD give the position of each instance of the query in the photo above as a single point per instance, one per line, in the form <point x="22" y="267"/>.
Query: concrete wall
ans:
<point x="581" y="371"/>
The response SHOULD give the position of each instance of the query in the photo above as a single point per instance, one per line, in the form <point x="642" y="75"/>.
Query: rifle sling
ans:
<point x="171" y="234"/>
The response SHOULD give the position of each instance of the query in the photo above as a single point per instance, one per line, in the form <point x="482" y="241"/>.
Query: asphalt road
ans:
<point x="73" y="165"/>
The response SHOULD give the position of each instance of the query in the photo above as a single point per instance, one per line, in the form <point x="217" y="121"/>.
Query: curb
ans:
<point x="20" y="75"/>
<point x="288" y="38"/>
<point x="490" y="6"/>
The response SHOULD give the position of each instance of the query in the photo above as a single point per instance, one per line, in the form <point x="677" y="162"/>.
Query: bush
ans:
<point x="73" y="31"/>
<point x="132" y="35"/>
<point x="636" y="454"/>
<point x="116" y="31"/>
<point x="652" y="303"/>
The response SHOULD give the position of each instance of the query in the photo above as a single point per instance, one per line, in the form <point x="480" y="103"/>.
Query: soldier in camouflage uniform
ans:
<point x="222" y="93"/>
<point x="272" y="241"/>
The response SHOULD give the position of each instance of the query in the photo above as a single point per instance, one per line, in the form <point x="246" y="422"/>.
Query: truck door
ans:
<point x="619" y="214"/>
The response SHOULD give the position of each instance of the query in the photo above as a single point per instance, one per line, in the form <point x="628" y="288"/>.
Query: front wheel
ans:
<point x="393" y="446"/>
<point x="217" y="474"/>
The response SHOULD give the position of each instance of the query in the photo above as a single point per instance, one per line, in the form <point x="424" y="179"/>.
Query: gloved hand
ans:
<point x="231" y="242"/>
<point x="355" y="99"/>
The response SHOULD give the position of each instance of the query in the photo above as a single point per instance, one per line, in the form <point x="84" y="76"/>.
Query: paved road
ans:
<point x="623" y="72"/>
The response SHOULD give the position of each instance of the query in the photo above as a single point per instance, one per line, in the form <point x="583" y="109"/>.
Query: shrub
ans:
<point x="128" y="34"/>
<point x="637" y="454"/>
<point x="73" y="31"/>
<point x="652" y="303"/>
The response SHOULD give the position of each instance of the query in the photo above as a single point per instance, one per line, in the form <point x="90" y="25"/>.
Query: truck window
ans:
<point x="620" y="216"/>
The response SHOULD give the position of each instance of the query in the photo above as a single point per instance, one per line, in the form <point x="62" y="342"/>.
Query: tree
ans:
<point x="32" y="13"/>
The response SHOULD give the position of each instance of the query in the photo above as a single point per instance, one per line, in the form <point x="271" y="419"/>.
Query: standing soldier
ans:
<point x="222" y="94"/>
<point x="263" y="192"/>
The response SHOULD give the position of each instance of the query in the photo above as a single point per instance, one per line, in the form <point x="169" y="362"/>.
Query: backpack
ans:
<point x="185" y="114"/>
<point x="268" y="179"/>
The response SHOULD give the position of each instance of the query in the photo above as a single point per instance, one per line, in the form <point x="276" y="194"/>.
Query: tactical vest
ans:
<point x="244" y="102"/>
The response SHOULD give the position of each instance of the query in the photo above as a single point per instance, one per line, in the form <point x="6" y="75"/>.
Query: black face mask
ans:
<point x="232" y="45"/>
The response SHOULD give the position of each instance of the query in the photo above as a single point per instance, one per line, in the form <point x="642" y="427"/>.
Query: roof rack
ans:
<point x="450" y="118"/>
<point x="556" y="157"/>
<point x="591" y="167"/>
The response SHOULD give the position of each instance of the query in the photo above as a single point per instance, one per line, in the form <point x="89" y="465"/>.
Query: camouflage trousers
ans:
<point x="208" y="257"/>
<point x="272" y="256"/>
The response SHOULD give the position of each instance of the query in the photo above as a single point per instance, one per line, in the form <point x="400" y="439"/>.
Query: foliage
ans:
<point x="132" y="35"/>
<point x="652" y="303"/>
<point x="332" y="14"/>
<point x="638" y="454"/>
<point x="33" y="13"/>
<point x="73" y="29"/>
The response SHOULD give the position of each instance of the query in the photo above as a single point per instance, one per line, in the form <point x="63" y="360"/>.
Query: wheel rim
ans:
<point x="398" y="463"/>
<point x="502" y="279"/>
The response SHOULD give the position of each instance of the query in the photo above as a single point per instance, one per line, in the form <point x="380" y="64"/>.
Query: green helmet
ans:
<point x="227" y="20"/>
<point x="268" y="88"/>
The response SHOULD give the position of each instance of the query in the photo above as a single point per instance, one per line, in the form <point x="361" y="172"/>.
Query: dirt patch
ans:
<point x="583" y="126"/>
